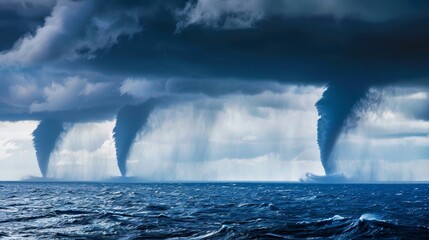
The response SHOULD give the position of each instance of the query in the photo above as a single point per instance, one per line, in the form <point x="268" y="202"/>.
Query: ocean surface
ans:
<point x="213" y="211"/>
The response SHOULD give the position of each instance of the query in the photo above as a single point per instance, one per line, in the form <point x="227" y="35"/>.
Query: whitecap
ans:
<point x="369" y="217"/>
<point x="213" y="233"/>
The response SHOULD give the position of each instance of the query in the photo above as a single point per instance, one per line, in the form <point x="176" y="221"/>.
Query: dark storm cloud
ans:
<point x="72" y="99"/>
<point x="297" y="49"/>
<point x="235" y="14"/>
<point x="294" y="41"/>
<point x="93" y="114"/>
<point x="74" y="29"/>
<point x="21" y="17"/>
<point x="144" y="89"/>
<point x="299" y="42"/>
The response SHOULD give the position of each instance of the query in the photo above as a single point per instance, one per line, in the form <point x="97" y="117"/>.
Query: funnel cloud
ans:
<point x="45" y="139"/>
<point x="130" y="120"/>
<point x="336" y="110"/>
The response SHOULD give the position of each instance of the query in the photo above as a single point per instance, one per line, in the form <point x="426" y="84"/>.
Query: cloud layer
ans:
<point x="131" y="51"/>
<point x="237" y="14"/>
<point x="74" y="29"/>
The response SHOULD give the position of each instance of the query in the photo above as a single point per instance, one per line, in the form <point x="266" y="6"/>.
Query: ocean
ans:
<point x="55" y="210"/>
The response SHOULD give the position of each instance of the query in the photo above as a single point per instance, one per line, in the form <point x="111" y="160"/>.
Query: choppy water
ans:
<point x="213" y="211"/>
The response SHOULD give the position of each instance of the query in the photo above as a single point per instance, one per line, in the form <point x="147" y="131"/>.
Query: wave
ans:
<point x="370" y="217"/>
<point x="368" y="225"/>
<point x="221" y="232"/>
<point x="241" y="211"/>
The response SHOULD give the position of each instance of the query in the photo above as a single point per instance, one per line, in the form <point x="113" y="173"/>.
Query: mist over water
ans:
<point x="208" y="139"/>
<point x="85" y="153"/>
<point x="220" y="140"/>
<point x="267" y="136"/>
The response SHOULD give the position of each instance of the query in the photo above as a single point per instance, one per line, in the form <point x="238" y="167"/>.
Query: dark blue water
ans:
<point x="213" y="211"/>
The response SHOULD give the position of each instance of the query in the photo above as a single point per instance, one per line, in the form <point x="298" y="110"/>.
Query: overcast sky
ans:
<point x="239" y="82"/>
